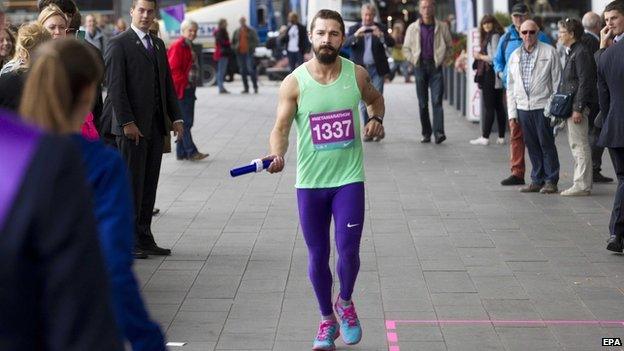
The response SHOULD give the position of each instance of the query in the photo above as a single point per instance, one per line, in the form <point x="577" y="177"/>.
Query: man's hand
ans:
<point x="377" y="32"/>
<point x="577" y="117"/>
<point x="132" y="132"/>
<point x="374" y="129"/>
<point x="277" y="165"/>
<point x="606" y="35"/>
<point x="360" y="31"/>
<point x="178" y="130"/>
<point x="513" y="121"/>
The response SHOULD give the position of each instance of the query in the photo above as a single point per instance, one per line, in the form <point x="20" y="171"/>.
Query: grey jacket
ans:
<point x="441" y="43"/>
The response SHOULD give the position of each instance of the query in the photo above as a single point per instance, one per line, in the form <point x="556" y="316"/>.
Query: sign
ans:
<point x="473" y="93"/>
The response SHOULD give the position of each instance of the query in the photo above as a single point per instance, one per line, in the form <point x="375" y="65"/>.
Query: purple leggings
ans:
<point x="316" y="207"/>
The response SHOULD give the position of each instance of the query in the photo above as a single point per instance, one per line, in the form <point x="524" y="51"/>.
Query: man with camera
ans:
<point x="367" y="41"/>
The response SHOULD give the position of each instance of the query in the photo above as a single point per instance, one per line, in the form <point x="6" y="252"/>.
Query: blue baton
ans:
<point x="256" y="165"/>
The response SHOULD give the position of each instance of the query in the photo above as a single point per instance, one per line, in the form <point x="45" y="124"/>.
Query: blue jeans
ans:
<point x="428" y="76"/>
<point x="294" y="59"/>
<point x="246" y="67"/>
<point x="540" y="142"/>
<point x="378" y="82"/>
<point x="185" y="147"/>
<point x="222" y="65"/>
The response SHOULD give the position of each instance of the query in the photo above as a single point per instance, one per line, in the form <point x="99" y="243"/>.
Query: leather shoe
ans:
<point x="139" y="254"/>
<point x="512" y="180"/>
<point x="531" y="188"/>
<point x="615" y="244"/>
<point x="155" y="250"/>
<point x="425" y="139"/>
<point x="440" y="138"/>
<point x="198" y="156"/>
<point x="549" y="188"/>
<point x="599" y="178"/>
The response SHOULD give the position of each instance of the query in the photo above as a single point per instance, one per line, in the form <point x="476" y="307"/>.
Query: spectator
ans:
<point x="93" y="34"/>
<point x="7" y="46"/>
<point x="368" y="41"/>
<point x="579" y="79"/>
<point x="142" y="107"/>
<point x="68" y="7"/>
<point x="610" y="92"/>
<point x="509" y="42"/>
<point x="54" y="21"/>
<point x="490" y="31"/>
<point x="223" y="51"/>
<point x="427" y="46"/>
<point x="13" y="73"/>
<point x="533" y="75"/>
<point x="399" y="63"/>
<point x="54" y="293"/>
<point x="244" y="41"/>
<point x="186" y="75"/>
<point x="591" y="39"/>
<point x="120" y="26"/>
<point x="295" y="40"/>
<point x="59" y="91"/>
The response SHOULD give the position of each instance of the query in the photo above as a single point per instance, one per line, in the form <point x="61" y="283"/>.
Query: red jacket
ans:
<point x="180" y="63"/>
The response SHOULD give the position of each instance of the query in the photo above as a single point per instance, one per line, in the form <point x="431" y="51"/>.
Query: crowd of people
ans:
<point x="105" y="154"/>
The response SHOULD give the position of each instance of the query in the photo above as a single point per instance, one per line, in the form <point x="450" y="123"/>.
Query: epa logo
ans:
<point x="611" y="342"/>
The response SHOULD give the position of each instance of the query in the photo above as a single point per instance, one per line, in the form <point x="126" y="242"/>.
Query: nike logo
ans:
<point x="346" y="87"/>
<point x="349" y="225"/>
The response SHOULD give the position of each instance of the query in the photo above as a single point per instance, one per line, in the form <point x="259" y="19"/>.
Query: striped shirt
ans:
<point x="527" y="63"/>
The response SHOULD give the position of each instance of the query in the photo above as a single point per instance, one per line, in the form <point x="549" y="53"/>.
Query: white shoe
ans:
<point x="480" y="141"/>
<point x="575" y="192"/>
<point x="500" y="141"/>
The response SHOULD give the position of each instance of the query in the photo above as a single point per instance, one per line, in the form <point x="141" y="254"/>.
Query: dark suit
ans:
<point x="140" y="91"/>
<point x="610" y="92"/>
<point x="379" y="51"/>
<point x="54" y="294"/>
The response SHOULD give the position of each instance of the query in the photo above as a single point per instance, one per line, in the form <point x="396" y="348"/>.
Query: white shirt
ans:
<point x="142" y="35"/>
<point x="618" y="38"/>
<point x="293" y="38"/>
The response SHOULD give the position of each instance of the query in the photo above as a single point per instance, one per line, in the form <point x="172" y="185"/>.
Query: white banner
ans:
<point x="473" y="93"/>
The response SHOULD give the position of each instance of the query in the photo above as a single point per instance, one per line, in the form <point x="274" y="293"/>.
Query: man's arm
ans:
<point x="604" y="98"/>
<point x="353" y="34"/>
<point x="499" y="58"/>
<point x="407" y="45"/>
<point x="446" y="33"/>
<point x="286" y="109"/>
<point x="374" y="102"/>
<point x="115" y="63"/>
<point x="512" y="110"/>
<point x="586" y="78"/>
<point x="555" y="78"/>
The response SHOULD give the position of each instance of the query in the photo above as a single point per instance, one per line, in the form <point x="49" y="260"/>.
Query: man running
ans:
<point x="322" y="97"/>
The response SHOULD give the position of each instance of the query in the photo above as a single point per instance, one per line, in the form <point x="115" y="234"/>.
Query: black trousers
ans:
<point x="594" y="134"/>
<point x="493" y="105"/>
<point x="616" y="224"/>
<point x="143" y="161"/>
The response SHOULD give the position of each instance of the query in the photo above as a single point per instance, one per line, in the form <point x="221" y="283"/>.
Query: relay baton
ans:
<point x="256" y="165"/>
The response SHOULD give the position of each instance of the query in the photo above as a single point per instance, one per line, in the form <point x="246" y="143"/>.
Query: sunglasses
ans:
<point x="530" y="32"/>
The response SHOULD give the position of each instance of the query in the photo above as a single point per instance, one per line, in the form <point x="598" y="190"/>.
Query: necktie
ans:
<point x="150" y="48"/>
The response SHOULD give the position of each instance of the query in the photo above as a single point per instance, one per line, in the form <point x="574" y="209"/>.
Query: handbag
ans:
<point x="561" y="105"/>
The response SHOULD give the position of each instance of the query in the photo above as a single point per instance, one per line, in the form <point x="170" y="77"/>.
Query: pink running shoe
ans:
<point x="349" y="323"/>
<point x="327" y="333"/>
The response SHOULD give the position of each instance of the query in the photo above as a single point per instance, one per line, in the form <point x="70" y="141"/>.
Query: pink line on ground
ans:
<point x="494" y="321"/>
<point x="392" y="337"/>
<point x="390" y="325"/>
<point x="394" y="348"/>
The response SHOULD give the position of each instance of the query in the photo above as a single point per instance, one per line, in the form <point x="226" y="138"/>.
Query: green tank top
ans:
<point x="329" y="143"/>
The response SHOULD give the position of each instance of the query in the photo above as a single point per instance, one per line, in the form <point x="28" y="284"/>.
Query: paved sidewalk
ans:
<point x="442" y="241"/>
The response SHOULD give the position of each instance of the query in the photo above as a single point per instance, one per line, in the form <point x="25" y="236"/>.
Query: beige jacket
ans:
<point x="544" y="81"/>
<point x="441" y="43"/>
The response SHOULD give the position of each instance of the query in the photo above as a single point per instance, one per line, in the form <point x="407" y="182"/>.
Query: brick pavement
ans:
<point x="442" y="241"/>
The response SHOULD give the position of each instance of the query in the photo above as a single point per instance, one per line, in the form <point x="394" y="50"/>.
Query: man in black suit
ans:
<point x="610" y="92"/>
<point x="143" y="105"/>
<point x="366" y="40"/>
<point x="592" y="23"/>
<point x="53" y="294"/>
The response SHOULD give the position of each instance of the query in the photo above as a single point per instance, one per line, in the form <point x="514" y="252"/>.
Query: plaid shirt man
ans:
<point x="527" y="63"/>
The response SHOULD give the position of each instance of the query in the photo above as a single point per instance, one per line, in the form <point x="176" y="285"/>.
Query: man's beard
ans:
<point x="326" y="57"/>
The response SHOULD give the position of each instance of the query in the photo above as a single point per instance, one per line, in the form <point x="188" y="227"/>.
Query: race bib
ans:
<point x="332" y="130"/>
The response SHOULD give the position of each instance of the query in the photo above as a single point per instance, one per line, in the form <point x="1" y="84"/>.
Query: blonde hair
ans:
<point x="61" y="71"/>
<point x="29" y="36"/>
<point x="49" y="12"/>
